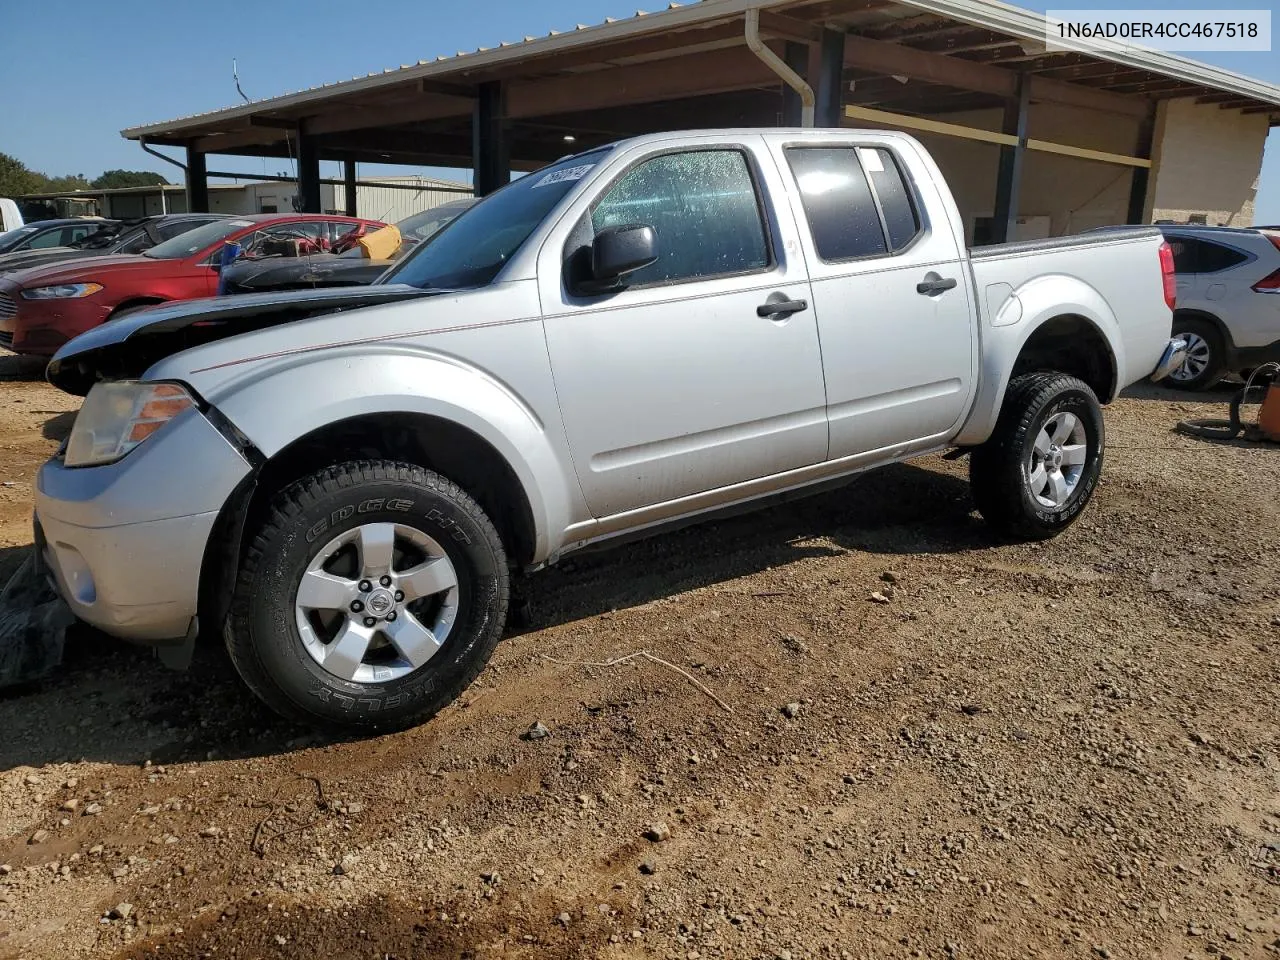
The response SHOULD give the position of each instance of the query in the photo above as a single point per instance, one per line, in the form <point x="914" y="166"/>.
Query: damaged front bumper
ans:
<point x="125" y="541"/>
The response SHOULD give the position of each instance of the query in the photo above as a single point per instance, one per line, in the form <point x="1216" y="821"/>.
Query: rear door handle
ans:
<point x="935" y="285"/>
<point x="781" y="308"/>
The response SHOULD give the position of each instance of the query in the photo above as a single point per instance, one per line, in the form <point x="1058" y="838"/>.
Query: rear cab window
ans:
<point x="856" y="200"/>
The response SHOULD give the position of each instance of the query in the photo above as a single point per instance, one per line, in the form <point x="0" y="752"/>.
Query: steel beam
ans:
<point x="719" y="71"/>
<point x="796" y="56"/>
<point x="891" y="59"/>
<point x="349" y="187"/>
<point x="197" y="182"/>
<point x="828" y="93"/>
<point x="414" y="109"/>
<point x="308" y="175"/>
<point x="1141" y="175"/>
<point x="490" y="144"/>
<point x="236" y="140"/>
<point x="1009" y="177"/>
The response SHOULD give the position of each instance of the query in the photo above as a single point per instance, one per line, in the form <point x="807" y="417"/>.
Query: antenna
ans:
<point x="235" y="75"/>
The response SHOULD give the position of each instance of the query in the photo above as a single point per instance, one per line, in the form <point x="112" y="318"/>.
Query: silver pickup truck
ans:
<point x="344" y="482"/>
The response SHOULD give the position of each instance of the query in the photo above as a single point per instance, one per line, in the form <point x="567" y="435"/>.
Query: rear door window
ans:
<point x="897" y="204"/>
<point x="837" y="202"/>
<point x="50" y="238"/>
<point x="856" y="199"/>
<point x="72" y="234"/>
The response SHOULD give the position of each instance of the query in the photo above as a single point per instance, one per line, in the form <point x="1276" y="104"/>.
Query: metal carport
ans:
<point x="969" y="70"/>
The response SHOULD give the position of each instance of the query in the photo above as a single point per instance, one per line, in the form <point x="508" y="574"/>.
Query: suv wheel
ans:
<point x="1039" y="469"/>
<point x="1206" y="361"/>
<point x="372" y="595"/>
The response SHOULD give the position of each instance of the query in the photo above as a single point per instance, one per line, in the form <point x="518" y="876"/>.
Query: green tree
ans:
<point x="111" y="179"/>
<point x="68" y="184"/>
<point x="16" y="179"/>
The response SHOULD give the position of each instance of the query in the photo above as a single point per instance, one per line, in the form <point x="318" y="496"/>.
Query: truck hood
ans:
<point x="127" y="347"/>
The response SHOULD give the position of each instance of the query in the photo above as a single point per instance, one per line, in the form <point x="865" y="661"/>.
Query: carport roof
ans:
<point x="545" y="74"/>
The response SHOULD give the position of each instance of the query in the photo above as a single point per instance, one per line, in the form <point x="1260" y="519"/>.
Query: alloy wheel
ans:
<point x="1056" y="460"/>
<point x="376" y="602"/>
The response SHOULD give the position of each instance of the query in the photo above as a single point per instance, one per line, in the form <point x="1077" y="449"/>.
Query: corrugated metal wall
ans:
<point x="392" y="204"/>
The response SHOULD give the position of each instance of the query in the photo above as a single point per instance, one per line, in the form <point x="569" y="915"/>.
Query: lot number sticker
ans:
<point x="562" y="176"/>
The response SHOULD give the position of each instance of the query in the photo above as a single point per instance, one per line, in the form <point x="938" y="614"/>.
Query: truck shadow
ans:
<point x="59" y="428"/>
<point x="113" y="702"/>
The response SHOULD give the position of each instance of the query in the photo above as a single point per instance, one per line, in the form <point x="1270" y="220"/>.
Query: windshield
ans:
<point x="471" y="249"/>
<point x="418" y="227"/>
<point x="193" y="241"/>
<point x="106" y="237"/>
<point x="13" y="238"/>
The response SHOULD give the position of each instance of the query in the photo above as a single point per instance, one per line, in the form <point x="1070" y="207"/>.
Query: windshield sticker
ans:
<point x="565" y="175"/>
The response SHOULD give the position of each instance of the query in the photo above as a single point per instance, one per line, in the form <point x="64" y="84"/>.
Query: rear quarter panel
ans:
<point x="1114" y="282"/>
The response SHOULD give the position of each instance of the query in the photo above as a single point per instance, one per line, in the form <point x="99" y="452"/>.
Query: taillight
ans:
<point x="1268" y="284"/>
<point x="1168" y="275"/>
<point x="1274" y="238"/>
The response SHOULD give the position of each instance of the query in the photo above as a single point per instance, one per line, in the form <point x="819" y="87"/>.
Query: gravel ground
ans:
<point x="1061" y="750"/>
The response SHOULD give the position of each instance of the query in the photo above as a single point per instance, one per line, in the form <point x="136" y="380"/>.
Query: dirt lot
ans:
<point x="1063" y="750"/>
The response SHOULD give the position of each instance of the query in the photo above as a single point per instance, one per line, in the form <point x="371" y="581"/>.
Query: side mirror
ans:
<point x="618" y="251"/>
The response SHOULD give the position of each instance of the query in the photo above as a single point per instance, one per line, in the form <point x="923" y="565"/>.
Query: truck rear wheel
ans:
<point x="1039" y="469"/>
<point x="371" y="596"/>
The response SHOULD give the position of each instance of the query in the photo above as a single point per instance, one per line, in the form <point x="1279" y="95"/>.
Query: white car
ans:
<point x="1228" y="301"/>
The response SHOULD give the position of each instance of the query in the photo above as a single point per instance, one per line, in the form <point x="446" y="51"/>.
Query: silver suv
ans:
<point x="1228" y="301"/>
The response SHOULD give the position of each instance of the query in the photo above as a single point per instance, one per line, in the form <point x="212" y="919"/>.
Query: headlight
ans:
<point x="62" y="291"/>
<point x="116" y="417"/>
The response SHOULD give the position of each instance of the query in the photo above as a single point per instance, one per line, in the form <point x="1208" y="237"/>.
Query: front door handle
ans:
<point x="781" y="308"/>
<point x="935" y="284"/>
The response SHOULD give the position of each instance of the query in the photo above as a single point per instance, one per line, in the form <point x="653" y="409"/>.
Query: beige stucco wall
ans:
<point x="1205" y="160"/>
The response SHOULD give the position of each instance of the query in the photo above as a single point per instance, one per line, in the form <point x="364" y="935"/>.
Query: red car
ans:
<point x="43" y="308"/>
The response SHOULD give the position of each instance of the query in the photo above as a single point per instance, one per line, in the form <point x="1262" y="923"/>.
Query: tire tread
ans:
<point x="995" y="467"/>
<point x="283" y="509"/>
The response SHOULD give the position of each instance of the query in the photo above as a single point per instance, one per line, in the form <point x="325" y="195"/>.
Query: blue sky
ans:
<point x="138" y="61"/>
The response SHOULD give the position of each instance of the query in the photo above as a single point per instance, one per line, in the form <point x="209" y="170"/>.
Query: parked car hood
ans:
<point x="298" y="273"/>
<point x="127" y="347"/>
<point x="73" y="271"/>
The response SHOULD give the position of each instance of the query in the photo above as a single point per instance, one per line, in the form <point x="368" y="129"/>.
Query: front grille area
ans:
<point x="6" y="339"/>
<point x="8" y="307"/>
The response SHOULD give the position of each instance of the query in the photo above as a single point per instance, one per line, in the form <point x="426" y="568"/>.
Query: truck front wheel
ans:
<point x="1039" y="469"/>
<point x="372" y="594"/>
